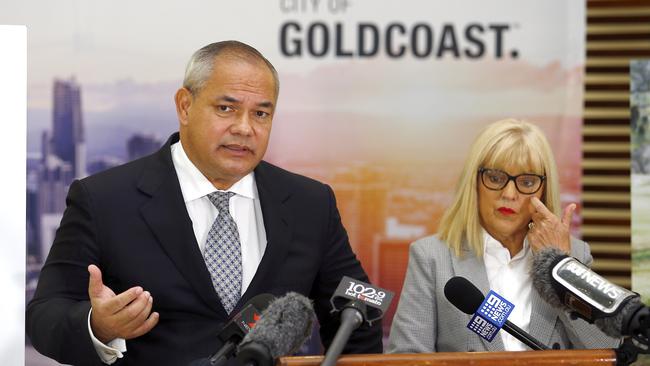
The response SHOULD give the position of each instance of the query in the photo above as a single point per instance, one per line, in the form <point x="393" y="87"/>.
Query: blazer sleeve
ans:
<point x="581" y="333"/>
<point x="57" y="316"/>
<point x="339" y="260"/>
<point x="414" y="326"/>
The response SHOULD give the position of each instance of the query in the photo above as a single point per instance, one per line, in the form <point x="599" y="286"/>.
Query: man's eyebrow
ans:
<point x="229" y="99"/>
<point x="265" y="105"/>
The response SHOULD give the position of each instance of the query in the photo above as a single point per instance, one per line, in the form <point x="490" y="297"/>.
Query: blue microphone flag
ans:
<point x="490" y="316"/>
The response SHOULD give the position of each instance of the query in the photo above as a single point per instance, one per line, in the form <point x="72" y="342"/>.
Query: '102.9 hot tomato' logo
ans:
<point x="365" y="293"/>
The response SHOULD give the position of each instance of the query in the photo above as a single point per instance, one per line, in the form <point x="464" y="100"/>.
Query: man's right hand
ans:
<point x="127" y="315"/>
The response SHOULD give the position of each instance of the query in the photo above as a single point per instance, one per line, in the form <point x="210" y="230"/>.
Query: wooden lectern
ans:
<point x="572" y="357"/>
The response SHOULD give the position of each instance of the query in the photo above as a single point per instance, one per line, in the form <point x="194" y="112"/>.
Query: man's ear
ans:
<point x="183" y="99"/>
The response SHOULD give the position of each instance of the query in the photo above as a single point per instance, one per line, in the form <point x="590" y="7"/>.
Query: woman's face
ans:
<point x="505" y="213"/>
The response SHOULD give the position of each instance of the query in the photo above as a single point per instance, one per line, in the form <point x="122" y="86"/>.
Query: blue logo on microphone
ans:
<point x="490" y="316"/>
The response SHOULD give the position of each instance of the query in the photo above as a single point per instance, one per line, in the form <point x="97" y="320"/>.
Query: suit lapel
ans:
<point x="273" y="195"/>
<point x="473" y="269"/>
<point x="167" y="217"/>
<point x="542" y="318"/>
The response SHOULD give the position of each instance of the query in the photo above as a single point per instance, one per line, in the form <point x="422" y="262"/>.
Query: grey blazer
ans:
<point x="426" y="322"/>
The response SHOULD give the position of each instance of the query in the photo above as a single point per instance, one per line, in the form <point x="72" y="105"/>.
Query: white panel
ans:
<point x="13" y="63"/>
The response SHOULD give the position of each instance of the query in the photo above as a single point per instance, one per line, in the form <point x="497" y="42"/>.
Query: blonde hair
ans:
<point x="508" y="142"/>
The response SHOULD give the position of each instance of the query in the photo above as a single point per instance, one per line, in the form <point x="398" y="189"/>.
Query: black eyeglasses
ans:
<point x="496" y="180"/>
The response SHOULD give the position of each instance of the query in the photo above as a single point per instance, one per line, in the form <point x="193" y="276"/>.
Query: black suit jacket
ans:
<point x="132" y="222"/>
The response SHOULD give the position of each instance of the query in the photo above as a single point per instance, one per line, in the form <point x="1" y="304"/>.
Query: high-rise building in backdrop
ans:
<point x="141" y="144"/>
<point x="68" y="140"/>
<point x="63" y="158"/>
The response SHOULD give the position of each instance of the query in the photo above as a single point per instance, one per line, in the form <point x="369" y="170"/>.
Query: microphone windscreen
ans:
<point x="542" y="273"/>
<point x="284" y="326"/>
<point x="463" y="294"/>
<point x="613" y="326"/>
<point x="261" y="301"/>
<point x="241" y="322"/>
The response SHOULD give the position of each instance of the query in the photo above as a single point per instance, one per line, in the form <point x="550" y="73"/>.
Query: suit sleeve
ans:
<point x="581" y="333"/>
<point x="339" y="260"/>
<point x="414" y="326"/>
<point x="57" y="316"/>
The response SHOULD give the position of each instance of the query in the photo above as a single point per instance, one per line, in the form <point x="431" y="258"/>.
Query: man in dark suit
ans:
<point x="148" y="263"/>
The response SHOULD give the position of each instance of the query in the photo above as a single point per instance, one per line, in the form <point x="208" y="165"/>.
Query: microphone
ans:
<point x="355" y="296"/>
<point x="565" y="282"/>
<point x="284" y="326"/>
<point x="238" y="326"/>
<point x="469" y="299"/>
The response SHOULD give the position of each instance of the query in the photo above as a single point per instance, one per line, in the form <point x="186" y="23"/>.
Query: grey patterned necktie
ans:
<point x="222" y="253"/>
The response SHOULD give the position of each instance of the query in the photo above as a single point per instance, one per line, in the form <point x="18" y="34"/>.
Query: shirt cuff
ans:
<point x="108" y="353"/>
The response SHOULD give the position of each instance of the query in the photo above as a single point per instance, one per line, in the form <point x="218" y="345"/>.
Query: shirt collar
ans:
<point x="195" y="185"/>
<point x="494" y="248"/>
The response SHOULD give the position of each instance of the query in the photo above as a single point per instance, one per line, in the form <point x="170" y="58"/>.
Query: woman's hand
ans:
<point x="547" y="230"/>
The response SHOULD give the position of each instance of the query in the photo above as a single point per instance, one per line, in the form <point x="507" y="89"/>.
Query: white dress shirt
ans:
<point x="510" y="278"/>
<point x="245" y="209"/>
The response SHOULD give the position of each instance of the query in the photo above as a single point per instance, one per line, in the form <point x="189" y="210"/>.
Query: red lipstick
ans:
<point x="506" y="210"/>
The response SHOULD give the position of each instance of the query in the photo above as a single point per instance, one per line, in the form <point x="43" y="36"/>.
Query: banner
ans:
<point x="379" y="99"/>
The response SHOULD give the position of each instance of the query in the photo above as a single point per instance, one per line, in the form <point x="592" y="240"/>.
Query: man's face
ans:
<point x="225" y="127"/>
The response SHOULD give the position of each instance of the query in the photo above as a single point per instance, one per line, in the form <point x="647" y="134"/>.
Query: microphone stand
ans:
<point x="351" y="318"/>
<point x="638" y="326"/>
<point x="524" y="337"/>
<point x="221" y="356"/>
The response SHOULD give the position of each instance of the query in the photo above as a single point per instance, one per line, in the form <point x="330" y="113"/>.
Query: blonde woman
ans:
<point x="506" y="208"/>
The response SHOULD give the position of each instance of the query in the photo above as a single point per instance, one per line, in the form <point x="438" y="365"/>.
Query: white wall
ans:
<point x="13" y="98"/>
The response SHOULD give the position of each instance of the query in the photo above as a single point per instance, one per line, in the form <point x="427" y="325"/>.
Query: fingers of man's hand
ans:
<point x="135" y="315"/>
<point x="119" y="302"/>
<point x="95" y="284"/>
<point x="143" y="315"/>
<point x="146" y="325"/>
<point x="126" y="315"/>
<point x="132" y="311"/>
<point x="130" y="318"/>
